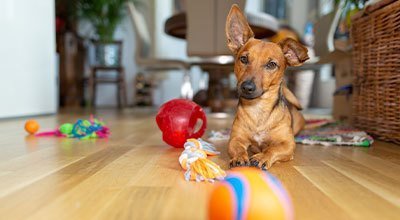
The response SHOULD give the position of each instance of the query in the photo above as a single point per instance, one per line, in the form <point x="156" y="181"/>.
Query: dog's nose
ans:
<point x="248" y="87"/>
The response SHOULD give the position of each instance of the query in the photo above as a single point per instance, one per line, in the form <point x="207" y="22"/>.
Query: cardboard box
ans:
<point x="342" y="67"/>
<point x="343" y="70"/>
<point x="342" y="108"/>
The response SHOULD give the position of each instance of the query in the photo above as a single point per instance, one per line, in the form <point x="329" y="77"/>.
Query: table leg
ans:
<point x="218" y="88"/>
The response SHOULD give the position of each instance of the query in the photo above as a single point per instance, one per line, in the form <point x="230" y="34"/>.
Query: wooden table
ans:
<point x="176" y="26"/>
<point x="134" y="175"/>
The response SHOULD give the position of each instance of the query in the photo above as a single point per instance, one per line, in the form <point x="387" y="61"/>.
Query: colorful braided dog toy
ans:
<point x="82" y="129"/>
<point x="194" y="160"/>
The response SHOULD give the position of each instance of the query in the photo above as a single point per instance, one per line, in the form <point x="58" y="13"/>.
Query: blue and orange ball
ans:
<point x="249" y="193"/>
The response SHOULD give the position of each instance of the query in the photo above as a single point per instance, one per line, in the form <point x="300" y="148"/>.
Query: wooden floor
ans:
<point x="134" y="175"/>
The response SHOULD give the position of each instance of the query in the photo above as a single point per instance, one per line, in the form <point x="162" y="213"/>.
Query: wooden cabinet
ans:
<point x="71" y="52"/>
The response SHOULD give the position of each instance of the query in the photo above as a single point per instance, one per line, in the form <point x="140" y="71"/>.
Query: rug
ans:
<point x="318" y="132"/>
<point x="328" y="133"/>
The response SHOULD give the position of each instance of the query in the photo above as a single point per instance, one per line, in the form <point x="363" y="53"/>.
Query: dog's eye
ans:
<point x="244" y="59"/>
<point x="271" y="65"/>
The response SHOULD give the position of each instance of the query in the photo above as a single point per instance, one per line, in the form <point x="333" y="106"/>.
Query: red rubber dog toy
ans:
<point x="177" y="120"/>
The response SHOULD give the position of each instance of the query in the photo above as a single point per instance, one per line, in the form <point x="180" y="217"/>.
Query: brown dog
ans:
<point x="267" y="117"/>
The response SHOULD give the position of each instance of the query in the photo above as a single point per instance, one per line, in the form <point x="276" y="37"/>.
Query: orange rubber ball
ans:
<point x="31" y="126"/>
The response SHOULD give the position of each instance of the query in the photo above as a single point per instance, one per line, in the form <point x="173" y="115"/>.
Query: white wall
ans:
<point x="298" y="14"/>
<point x="27" y="58"/>
<point x="254" y="5"/>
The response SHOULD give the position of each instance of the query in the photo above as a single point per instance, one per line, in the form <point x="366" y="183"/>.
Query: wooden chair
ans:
<point x="118" y="79"/>
<point x="150" y="64"/>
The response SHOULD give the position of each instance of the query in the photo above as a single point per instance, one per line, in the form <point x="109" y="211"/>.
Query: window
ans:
<point x="276" y="8"/>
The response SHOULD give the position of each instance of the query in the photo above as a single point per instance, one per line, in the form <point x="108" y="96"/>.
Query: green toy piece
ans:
<point x="66" y="128"/>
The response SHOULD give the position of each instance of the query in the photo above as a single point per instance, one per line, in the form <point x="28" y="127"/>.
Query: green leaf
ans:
<point x="104" y="15"/>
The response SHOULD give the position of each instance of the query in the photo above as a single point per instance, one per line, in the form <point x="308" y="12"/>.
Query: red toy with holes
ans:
<point x="177" y="120"/>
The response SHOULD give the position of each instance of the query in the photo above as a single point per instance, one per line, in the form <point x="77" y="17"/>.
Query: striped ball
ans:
<point x="249" y="193"/>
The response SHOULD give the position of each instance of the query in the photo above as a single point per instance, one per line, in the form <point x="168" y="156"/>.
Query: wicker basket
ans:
<point x="375" y="36"/>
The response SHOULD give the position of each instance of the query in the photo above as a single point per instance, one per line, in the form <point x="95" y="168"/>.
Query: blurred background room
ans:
<point x="141" y="53"/>
<point x="91" y="128"/>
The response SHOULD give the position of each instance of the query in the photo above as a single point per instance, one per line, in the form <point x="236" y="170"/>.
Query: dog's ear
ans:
<point x="295" y="53"/>
<point x="237" y="30"/>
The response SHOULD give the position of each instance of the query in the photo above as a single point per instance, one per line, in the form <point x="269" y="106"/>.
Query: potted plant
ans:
<point x="348" y="8"/>
<point x="104" y="16"/>
<point x="351" y="7"/>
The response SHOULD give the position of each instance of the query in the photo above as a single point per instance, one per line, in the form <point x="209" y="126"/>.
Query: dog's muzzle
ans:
<point x="248" y="90"/>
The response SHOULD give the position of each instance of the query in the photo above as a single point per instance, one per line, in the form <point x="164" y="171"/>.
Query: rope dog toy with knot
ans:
<point x="82" y="129"/>
<point x="194" y="160"/>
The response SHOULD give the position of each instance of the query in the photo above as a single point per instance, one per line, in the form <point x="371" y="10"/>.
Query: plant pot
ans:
<point x="108" y="54"/>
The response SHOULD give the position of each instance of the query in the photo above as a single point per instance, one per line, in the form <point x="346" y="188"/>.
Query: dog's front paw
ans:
<point x="239" y="161"/>
<point x="261" y="161"/>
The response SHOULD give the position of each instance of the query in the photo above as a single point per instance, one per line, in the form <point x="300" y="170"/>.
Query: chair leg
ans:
<point x="92" y="88"/>
<point x="215" y="94"/>
<point x="94" y="93"/>
<point x="122" y="100"/>
<point x="123" y="94"/>
<point x="119" y="94"/>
